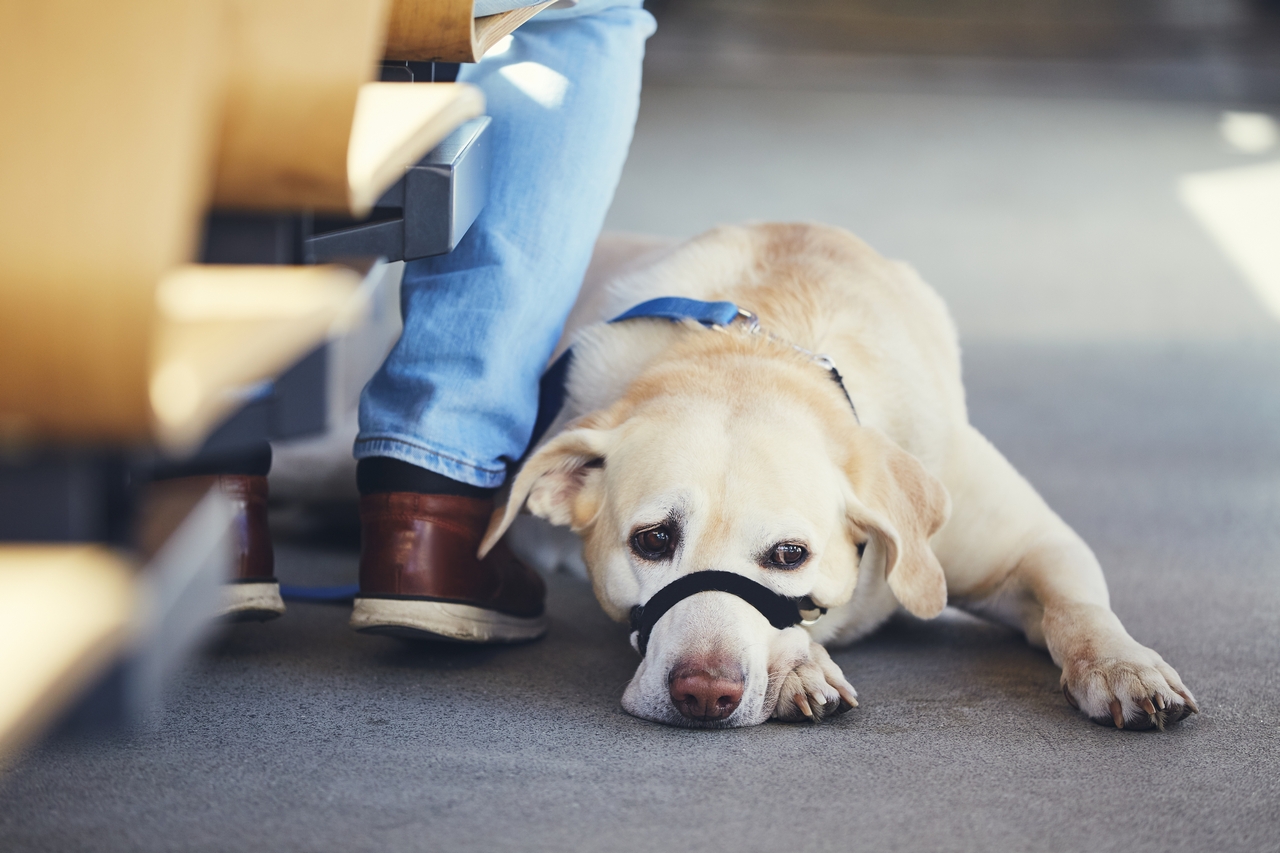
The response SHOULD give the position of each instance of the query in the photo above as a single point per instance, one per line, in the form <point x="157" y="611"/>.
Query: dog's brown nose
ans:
<point x="701" y="695"/>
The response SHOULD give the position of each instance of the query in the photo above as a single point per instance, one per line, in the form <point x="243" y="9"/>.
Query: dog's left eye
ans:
<point x="654" y="543"/>
<point x="788" y="555"/>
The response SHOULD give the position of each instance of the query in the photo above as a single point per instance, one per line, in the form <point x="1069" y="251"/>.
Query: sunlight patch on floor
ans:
<point x="1240" y="208"/>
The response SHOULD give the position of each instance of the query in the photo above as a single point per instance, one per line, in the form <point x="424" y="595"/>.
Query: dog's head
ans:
<point x="752" y="464"/>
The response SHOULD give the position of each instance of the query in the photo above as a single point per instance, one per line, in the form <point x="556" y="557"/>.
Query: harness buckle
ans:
<point x="749" y="320"/>
<point x="810" y="612"/>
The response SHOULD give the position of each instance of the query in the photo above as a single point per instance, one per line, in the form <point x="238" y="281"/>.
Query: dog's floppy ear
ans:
<point x="550" y="481"/>
<point x="902" y="504"/>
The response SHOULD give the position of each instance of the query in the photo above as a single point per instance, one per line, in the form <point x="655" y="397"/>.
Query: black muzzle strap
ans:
<point x="782" y="612"/>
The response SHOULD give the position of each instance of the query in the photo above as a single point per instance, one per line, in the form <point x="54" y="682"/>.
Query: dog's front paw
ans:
<point x="813" y="689"/>
<point x="1128" y="686"/>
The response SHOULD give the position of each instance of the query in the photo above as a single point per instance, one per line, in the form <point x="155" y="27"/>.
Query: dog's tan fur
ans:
<point x="748" y="443"/>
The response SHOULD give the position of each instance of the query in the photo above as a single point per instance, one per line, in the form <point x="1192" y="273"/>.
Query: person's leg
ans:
<point x="455" y="402"/>
<point x="458" y="393"/>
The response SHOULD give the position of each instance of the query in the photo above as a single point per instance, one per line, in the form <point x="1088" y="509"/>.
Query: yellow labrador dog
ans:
<point x="730" y="451"/>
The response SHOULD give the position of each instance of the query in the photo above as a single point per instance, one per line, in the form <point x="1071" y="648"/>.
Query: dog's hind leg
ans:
<point x="1007" y="555"/>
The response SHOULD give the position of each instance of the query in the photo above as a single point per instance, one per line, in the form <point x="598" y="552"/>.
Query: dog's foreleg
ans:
<point x="1105" y="672"/>
<point x="1009" y="556"/>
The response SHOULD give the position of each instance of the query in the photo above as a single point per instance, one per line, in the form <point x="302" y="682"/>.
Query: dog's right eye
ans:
<point x="653" y="543"/>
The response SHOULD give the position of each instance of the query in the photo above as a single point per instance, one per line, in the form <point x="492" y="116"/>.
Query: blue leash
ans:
<point x="675" y="309"/>
<point x="326" y="594"/>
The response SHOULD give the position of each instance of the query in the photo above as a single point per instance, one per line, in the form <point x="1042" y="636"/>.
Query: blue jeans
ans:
<point x="458" y="394"/>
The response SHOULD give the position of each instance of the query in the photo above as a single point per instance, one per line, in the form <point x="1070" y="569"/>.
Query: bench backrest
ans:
<point x="108" y="116"/>
<point x="295" y="71"/>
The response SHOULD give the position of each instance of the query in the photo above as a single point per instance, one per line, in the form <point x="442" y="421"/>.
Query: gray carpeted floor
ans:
<point x="300" y="735"/>
<point x="1111" y="352"/>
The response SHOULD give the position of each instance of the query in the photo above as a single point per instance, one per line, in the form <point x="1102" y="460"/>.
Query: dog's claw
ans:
<point x="848" y="699"/>
<point x="803" y="701"/>
<point x="1130" y="687"/>
<point x="828" y="708"/>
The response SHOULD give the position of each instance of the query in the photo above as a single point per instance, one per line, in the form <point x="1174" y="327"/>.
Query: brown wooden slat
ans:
<point x="446" y="31"/>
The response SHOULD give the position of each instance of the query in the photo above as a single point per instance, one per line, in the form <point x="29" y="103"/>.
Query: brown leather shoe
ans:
<point x="420" y="578"/>
<point x="253" y="594"/>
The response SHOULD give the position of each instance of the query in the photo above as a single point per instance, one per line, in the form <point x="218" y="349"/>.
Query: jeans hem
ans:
<point x="441" y="463"/>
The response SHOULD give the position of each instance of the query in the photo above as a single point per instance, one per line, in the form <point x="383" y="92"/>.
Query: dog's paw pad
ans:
<point x="1138" y="691"/>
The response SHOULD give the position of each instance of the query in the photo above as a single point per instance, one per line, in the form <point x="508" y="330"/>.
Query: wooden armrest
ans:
<point x="396" y="124"/>
<point x="225" y="329"/>
<point x="65" y="614"/>
<point x="446" y="31"/>
<point x="212" y="334"/>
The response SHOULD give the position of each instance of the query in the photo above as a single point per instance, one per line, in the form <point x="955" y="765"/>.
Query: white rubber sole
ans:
<point x="443" y="620"/>
<point x="250" y="602"/>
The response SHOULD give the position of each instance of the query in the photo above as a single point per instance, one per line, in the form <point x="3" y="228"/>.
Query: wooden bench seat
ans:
<point x="395" y="126"/>
<point x="73" y="616"/>
<point x="224" y="329"/>
<point x="66" y="612"/>
<point x="306" y="126"/>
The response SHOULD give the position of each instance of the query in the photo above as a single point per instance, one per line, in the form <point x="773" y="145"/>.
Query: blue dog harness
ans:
<point x="713" y="315"/>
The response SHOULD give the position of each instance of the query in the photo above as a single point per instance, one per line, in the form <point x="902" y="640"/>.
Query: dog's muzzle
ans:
<point x="782" y="612"/>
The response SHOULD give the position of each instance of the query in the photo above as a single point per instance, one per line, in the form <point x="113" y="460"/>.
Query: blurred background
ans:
<point x="1032" y="158"/>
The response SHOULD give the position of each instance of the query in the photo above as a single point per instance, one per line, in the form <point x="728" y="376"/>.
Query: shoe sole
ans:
<point x="443" y="620"/>
<point x="251" y="602"/>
